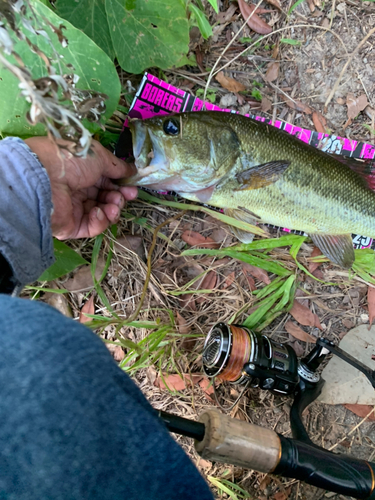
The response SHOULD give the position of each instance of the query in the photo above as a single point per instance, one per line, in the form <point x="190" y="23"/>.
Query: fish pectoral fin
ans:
<point x="338" y="247"/>
<point x="262" y="175"/>
<point x="244" y="216"/>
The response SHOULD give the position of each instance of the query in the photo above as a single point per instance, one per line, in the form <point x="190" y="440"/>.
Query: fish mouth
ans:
<point x="153" y="165"/>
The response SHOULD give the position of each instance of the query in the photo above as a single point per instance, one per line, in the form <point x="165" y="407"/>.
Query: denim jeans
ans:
<point x="72" y="424"/>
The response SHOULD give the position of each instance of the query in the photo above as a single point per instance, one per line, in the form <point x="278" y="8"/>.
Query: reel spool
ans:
<point x="238" y="355"/>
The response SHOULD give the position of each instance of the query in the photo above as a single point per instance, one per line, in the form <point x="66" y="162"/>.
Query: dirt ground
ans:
<point x="307" y="73"/>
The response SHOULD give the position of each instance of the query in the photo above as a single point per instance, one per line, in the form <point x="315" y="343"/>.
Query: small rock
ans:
<point x="364" y="318"/>
<point x="341" y="8"/>
<point x="228" y="100"/>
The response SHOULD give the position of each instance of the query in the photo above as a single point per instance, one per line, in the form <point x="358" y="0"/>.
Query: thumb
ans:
<point x="111" y="166"/>
<point x="92" y="224"/>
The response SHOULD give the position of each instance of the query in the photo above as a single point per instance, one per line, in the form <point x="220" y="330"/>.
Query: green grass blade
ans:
<point x="284" y="241"/>
<point x="294" y="6"/>
<point x="217" y="215"/>
<point x="258" y="260"/>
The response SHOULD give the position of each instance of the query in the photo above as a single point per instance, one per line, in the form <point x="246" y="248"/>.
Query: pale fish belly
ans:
<point x="300" y="209"/>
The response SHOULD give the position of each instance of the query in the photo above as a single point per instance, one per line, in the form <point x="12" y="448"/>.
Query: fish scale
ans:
<point x="256" y="171"/>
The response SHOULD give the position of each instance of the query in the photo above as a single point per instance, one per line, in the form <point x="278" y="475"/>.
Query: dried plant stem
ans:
<point x="212" y="74"/>
<point x="353" y="430"/>
<point x="350" y="58"/>
<point x="149" y="259"/>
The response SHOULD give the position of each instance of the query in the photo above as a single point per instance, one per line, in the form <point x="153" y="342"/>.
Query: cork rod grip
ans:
<point x="229" y="440"/>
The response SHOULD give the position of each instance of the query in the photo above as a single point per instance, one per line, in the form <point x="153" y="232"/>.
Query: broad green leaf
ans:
<point x="90" y="63"/>
<point x="66" y="261"/>
<point x="89" y="16"/>
<point x="202" y="21"/>
<point x="148" y="33"/>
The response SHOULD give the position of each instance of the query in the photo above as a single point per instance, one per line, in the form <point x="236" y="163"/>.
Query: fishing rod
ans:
<point x="238" y="355"/>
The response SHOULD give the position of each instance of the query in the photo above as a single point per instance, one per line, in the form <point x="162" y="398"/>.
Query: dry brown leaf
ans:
<point x="355" y="104"/>
<point x="255" y="22"/>
<point x="257" y="272"/>
<point x="272" y="71"/>
<point x="265" y="482"/>
<point x="282" y="495"/>
<point x="349" y="324"/>
<point x="196" y="239"/>
<point x="229" y="83"/>
<point x="225" y="17"/>
<point x="266" y="104"/>
<point x="182" y="324"/>
<point x="206" y="385"/>
<point x="228" y="280"/>
<point x="297" y="105"/>
<point x="275" y="3"/>
<point x="320" y="122"/>
<point x="208" y="283"/>
<point x="219" y="235"/>
<point x="117" y="352"/>
<point x="304" y="316"/>
<point x="314" y="265"/>
<point x="361" y="410"/>
<point x="298" y="333"/>
<point x="176" y="382"/>
<point x="205" y="464"/>
<point x="129" y="241"/>
<point x="82" y="279"/>
<point x="58" y="301"/>
<point x="188" y="302"/>
<point x="371" y="304"/>
<point x="89" y="308"/>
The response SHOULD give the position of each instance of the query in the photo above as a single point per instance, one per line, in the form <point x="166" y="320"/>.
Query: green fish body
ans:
<point x="256" y="173"/>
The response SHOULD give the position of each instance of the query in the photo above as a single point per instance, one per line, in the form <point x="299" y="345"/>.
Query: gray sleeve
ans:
<point x="25" y="212"/>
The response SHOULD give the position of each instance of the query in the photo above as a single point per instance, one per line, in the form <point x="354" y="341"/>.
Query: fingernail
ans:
<point x="99" y="214"/>
<point x="117" y="214"/>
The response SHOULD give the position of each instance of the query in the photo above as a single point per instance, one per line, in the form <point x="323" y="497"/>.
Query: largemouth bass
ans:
<point x="256" y="172"/>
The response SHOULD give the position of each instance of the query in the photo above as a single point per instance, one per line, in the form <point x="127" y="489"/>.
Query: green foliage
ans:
<point x="294" y="6"/>
<point x="95" y="70"/>
<point x="217" y="215"/>
<point x="214" y="5"/>
<point x="91" y="18"/>
<point x="66" y="261"/>
<point x="364" y="264"/>
<point x="202" y="21"/>
<point x="140" y="34"/>
<point x="210" y="95"/>
<point x="234" y="491"/>
<point x="290" y="41"/>
<point x="256" y="94"/>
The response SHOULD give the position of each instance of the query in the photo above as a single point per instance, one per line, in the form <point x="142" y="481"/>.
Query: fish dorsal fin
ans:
<point x="242" y="215"/>
<point x="263" y="175"/>
<point x="366" y="168"/>
<point x="338" y="247"/>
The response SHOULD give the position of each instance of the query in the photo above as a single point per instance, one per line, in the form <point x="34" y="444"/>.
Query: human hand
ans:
<point x="85" y="200"/>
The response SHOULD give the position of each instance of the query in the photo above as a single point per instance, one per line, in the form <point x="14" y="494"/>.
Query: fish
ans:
<point x="257" y="173"/>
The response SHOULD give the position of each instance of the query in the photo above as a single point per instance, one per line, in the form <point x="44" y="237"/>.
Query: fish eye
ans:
<point x="171" y="126"/>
